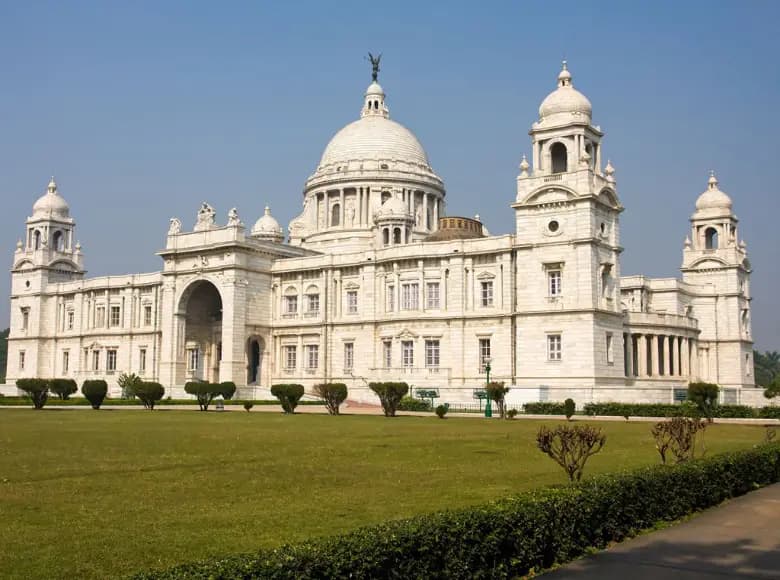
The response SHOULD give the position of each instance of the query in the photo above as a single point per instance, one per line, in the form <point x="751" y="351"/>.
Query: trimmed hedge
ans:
<point x="81" y="401"/>
<point x="769" y="412"/>
<point x="37" y="390"/>
<point x="667" y="410"/>
<point x="544" y="408"/>
<point x="412" y="404"/>
<point x="511" y="537"/>
<point x="95" y="392"/>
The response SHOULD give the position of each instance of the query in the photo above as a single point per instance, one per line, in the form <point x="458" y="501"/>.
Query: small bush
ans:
<point x="676" y="438"/>
<point x="94" y="391"/>
<point x="63" y="388"/>
<point x="441" y="410"/>
<point x="204" y="392"/>
<point x="508" y="538"/>
<point x="248" y="405"/>
<point x="36" y="389"/>
<point x="705" y="397"/>
<point x="333" y="394"/>
<point x="569" y="408"/>
<point x="769" y="412"/>
<point x="544" y="408"/>
<point x="288" y="395"/>
<point x="413" y="404"/>
<point x="148" y="393"/>
<point x="227" y="389"/>
<point x="497" y="393"/>
<point x="390" y="395"/>
<point x="570" y="447"/>
<point x="511" y="413"/>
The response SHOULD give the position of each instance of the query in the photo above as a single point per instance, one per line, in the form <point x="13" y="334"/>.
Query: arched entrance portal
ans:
<point x="254" y="355"/>
<point x="201" y="307"/>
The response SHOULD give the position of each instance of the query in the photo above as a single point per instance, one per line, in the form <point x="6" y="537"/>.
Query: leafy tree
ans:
<point x="773" y="389"/>
<point x="767" y="367"/>
<point x="390" y="395"/>
<point x="497" y="393"/>
<point x="288" y="395"/>
<point x="705" y="397"/>
<point x="571" y="446"/>
<point x="149" y="393"/>
<point x="127" y="382"/>
<point x="36" y="389"/>
<point x="333" y="394"/>
<point x="63" y="388"/>
<point x="95" y="391"/>
<point x="569" y="408"/>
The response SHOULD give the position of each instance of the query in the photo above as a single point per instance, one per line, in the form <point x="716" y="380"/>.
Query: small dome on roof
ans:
<point x="393" y="208"/>
<point x="713" y="198"/>
<point x="267" y="227"/>
<point x="51" y="204"/>
<point x="565" y="100"/>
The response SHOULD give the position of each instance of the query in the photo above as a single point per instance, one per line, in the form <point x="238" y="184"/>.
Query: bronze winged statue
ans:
<point x="374" y="65"/>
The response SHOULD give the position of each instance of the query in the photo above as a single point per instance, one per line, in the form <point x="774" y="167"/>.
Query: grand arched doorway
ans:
<point x="254" y="355"/>
<point x="201" y="309"/>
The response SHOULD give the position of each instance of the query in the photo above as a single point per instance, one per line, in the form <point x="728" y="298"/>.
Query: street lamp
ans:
<point x="488" y="406"/>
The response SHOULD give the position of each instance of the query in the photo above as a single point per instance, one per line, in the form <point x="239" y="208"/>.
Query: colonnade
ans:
<point x="361" y="206"/>
<point x="659" y="355"/>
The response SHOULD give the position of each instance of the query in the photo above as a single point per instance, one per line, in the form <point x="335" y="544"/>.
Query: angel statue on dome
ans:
<point x="374" y="65"/>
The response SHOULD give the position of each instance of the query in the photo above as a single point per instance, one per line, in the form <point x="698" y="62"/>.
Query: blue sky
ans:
<point x="144" y="109"/>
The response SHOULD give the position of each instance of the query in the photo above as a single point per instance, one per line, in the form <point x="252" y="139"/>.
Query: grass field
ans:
<point x="87" y="494"/>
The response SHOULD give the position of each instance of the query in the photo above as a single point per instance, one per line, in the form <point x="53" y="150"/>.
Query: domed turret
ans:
<point x="267" y="228"/>
<point x="565" y="103"/>
<point x="712" y="201"/>
<point x="51" y="204"/>
<point x="393" y="208"/>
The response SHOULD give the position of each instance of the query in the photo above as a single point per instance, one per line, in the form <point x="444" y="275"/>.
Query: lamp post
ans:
<point x="488" y="406"/>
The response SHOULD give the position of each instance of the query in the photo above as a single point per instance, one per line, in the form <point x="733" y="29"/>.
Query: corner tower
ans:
<point x="715" y="263"/>
<point x="568" y="247"/>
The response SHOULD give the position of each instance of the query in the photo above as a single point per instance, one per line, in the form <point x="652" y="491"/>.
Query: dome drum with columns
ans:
<point x="378" y="284"/>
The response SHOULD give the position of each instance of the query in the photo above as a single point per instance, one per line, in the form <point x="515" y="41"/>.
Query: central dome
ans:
<point x="373" y="138"/>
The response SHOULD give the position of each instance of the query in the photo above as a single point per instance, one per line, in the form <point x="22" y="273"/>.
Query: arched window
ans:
<point x="710" y="238"/>
<point x="57" y="241"/>
<point x="396" y="235"/>
<point x="335" y="215"/>
<point x="37" y="240"/>
<point x="558" y="158"/>
<point x="385" y="236"/>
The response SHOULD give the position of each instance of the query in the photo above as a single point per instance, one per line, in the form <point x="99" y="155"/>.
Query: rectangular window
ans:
<point x="313" y="303"/>
<point x="484" y="353"/>
<point x="290" y="357"/>
<point x="432" y="354"/>
<point x="100" y="316"/>
<point x="25" y="318"/>
<point x="65" y="361"/>
<point x="70" y="317"/>
<point x="553" y="347"/>
<point x="21" y="360"/>
<point x="193" y="359"/>
<point x="390" y="303"/>
<point x="432" y="296"/>
<point x="148" y="315"/>
<point x="487" y="293"/>
<point x="114" y="316"/>
<point x="410" y="296"/>
<point x="352" y="302"/>
<point x="95" y="360"/>
<point x="610" y="350"/>
<point x="387" y="353"/>
<point x="349" y="356"/>
<point x="142" y="360"/>
<point x="111" y="360"/>
<point x="407" y="353"/>
<point x="312" y="356"/>
<point x="291" y="304"/>
<point x="554" y="279"/>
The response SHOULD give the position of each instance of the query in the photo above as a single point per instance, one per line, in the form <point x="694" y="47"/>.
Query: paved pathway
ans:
<point x="740" y="539"/>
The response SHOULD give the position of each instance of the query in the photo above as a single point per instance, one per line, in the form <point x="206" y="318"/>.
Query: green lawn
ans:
<point x="98" y="494"/>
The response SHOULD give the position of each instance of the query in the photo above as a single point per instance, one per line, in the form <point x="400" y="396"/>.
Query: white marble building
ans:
<point x="376" y="283"/>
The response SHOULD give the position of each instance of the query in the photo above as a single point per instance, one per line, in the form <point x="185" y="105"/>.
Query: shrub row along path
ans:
<point x="739" y="539"/>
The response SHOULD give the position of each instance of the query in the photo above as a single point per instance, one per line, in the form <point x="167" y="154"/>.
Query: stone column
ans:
<point x="665" y="345"/>
<point x="435" y="213"/>
<point x="535" y="157"/>
<point x="684" y="358"/>
<point x="642" y="356"/>
<point x="630" y="354"/>
<point x="654" y="368"/>
<point x="425" y="212"/>
<point x="672" y="364"/>
<point x="341" y="208"/>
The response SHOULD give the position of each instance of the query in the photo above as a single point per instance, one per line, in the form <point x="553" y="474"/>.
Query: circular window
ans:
<point x="553" y="226"/>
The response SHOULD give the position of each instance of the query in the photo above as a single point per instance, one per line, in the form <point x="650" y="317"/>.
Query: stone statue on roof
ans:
<point x="374" y="65"/>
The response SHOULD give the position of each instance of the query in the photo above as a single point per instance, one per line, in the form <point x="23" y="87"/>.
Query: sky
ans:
<point x="142" y="110"/>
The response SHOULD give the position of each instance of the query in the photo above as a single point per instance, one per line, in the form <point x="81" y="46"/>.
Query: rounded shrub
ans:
<point x="63" y="388"/>
<point x="94" y="391"/>
<point x="227" y="389"/>
<point x="333" y="394"/>
<point x="288" y="395"/>
<point x="36" y="389"/>
<point x="390" y="395"/>
<point x="149" y="393"/>
<point x="441" y="410"/>
<point x="248" y="405"/>
<point x="568" y="408"/>
<point x="414" y="404"/>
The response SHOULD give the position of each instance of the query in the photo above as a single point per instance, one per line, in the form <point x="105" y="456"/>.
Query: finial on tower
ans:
<point x="524" y="167"/>
<point x="374" y="65"/>
<point x="564" y="77"/>
<point x="609" y="171"/>
<point x="712" y="182"/>
<point x="52" y="186"/>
